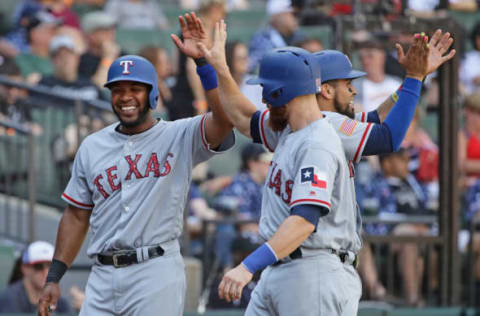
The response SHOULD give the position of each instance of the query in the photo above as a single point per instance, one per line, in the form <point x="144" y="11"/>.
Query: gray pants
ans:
<point x="320" y="285"/>
<point x="153" y="287"/>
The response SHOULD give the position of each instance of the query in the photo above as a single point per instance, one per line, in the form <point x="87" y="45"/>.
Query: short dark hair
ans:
<point x="251" y="152"/>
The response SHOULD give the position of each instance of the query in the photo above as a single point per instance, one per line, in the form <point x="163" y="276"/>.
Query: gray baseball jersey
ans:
<point x="309" y="167"/>
<point x="341" y="229"/>
<point x="136" y="186"/>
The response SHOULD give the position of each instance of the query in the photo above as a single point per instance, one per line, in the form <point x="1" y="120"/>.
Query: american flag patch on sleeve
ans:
<point x="348" y="126"/>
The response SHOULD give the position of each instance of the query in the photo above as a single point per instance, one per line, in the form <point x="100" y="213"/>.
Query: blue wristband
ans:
<point x="262" y="257"/>
<point x="208" y="76"/>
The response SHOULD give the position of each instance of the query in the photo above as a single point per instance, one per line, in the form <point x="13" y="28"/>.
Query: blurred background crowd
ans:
<point x="54" y="57"/>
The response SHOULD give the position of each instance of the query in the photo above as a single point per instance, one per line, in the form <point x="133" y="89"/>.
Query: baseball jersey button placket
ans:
<point x="127" y="208"/>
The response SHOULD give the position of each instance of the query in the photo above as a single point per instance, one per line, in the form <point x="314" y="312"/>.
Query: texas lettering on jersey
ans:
<point x="152" y="169"/>
<point x="275" y="183"/>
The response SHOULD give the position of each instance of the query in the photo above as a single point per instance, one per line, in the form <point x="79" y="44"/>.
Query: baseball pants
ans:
<point x="320" y="285"/>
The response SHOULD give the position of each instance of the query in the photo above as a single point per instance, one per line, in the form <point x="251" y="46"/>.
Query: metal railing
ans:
<point x="64" y="121"/>
<point x="17" y="182"/>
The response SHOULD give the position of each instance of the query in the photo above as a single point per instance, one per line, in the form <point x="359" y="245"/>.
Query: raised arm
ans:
<point x="439" y="44"/>
<point x="217" y="124"/>
<point x="72" y="230"/>
<point x="237" y="107"/>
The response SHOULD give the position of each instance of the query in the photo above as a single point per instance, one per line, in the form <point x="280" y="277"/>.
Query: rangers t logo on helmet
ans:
<point x="126" y="64"/>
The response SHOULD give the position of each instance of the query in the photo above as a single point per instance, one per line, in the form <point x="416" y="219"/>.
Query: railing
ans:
<point x="56" y="115"/>
<point x="17" y="182"/>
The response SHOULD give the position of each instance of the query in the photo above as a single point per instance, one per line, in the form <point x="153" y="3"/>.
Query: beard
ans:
<point x="278" y="118"/>
<point x="142" y="117"/>
<point x="347" y="111"/>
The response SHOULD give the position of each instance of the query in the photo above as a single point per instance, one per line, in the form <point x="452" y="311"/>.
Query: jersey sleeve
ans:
<point x="261" y="132"/>
<point x="314" y="177"/>
<point x="353" y="134"/>
<point x="200" y="149"/>
<point x="78" y="192"/>
<point x="361" y="117"/>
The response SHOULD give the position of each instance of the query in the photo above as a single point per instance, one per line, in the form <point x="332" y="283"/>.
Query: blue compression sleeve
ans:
<point x="311" y="213"/>
<point x="373" y="117"/>
<point x="401" y="115"/>
<point x="262" y="257"/>
<point x="379" y="141"/>
<point x="208" y="77"/>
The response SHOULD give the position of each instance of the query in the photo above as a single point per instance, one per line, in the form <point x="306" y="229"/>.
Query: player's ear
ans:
<point x="327" y="91"/>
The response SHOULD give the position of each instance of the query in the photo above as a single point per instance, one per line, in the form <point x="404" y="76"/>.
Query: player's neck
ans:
<point x="303" y="111"/>
<point x="132" y="130"/>
<point x="325" y="104"/>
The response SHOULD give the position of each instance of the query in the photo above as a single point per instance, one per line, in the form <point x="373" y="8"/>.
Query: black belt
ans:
<point x="297" y="254"/>
<point x="123" y="258"/>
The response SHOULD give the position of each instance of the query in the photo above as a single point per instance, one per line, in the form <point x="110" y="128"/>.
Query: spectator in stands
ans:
<point x="65" y="79"/>
<point x="11" y="96"/>
<point x="469" y="140"/>
<point x="188" y="96"/>
<point x="396" y="191"/>
<point x="22" y="296"/>
<point x="242" y="199"/>
<point x="137" y="14"/>
<point x="376" y="86"/>
<point x="311" y="44"/>
<point x="99" y="28"/>
<point x="158" y="56"/>
<point x="41" y="29"/>
<point x="237" y="61"/>
<point x="282" y="30"/>
<point x="13" y="105"/>
<point x="426" y="9"/>
<point x="423" y="159"/>
<point x="61" y="9"/>
<point x="469" y="70"/>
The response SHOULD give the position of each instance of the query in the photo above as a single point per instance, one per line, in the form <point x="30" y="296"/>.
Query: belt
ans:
<point x="123" y="258"/>
<point x="345" y="256"/>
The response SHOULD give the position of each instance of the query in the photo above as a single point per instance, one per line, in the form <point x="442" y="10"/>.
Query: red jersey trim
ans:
<point x="264" y="139"/>
<point x="310" y="200"/>
<point x="202" y="131"/>
<point x="76" y="202"/>
<point x="361" y="142"/>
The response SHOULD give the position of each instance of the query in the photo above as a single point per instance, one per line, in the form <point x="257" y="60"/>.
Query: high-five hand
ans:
<point x="193" y="33"/>
<point x="216" y="55"/>
<point x="438" y="45"/>
<point x="415" y="61"/>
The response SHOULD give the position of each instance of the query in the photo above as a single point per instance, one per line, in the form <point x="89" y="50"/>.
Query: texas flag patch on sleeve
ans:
<point x="317" y="179"/>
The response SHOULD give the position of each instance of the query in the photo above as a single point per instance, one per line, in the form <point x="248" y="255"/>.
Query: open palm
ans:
<point x="193" y="33"/>
<point x="439" y="44"/>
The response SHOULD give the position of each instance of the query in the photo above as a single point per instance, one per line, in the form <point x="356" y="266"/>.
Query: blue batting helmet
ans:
<point x="286" y="73"/>
<point x="336" y="65"/>
<point x="138" y="69"/>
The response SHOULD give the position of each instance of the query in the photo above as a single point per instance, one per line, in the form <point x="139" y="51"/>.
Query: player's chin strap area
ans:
<point x="123" y="258"/>
<point x="345" y="256"/>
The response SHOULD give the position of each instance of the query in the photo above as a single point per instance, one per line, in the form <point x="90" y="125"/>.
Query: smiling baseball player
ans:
<point x="129" y="185"/>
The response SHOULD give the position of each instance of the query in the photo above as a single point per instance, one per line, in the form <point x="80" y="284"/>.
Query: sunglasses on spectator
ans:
<point x="40" y="266"/>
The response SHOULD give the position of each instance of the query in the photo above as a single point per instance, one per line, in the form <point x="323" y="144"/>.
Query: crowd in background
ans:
<point x="51" y="45"/>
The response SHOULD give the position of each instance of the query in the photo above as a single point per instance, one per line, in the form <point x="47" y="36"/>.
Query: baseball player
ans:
<point x="309" y="221"/>
<point x="129" y="184"/>
<point x="420" y="60"/>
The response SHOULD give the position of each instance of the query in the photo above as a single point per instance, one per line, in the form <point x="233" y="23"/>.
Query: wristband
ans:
<point x="56" y="271"/>
<point x="200" y="61"/>
<point x="208" y="76"/>
<point x="263" y="256"/>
